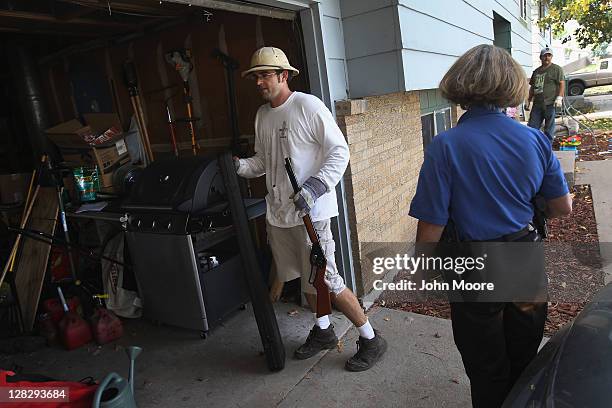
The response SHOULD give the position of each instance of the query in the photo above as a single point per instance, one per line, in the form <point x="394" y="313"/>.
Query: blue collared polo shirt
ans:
<point x="483" y="174"/>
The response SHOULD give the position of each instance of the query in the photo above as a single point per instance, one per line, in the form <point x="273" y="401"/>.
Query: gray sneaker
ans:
<point x="318" y="339"/>
<point x="368" y="353"/>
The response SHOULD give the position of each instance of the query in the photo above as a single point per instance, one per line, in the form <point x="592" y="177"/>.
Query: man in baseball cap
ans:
<point x="299" y="126"/>
<point x="546" y="50"/>
<point x="547" y="90"/>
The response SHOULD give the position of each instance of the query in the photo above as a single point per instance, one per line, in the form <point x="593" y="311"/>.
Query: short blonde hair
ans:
<point x="485" y="75"/>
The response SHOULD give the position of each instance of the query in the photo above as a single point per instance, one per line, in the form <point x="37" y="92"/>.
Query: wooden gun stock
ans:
<point x="317" y="256"/>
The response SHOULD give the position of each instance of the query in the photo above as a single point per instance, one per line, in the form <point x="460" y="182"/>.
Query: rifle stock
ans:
<point x="317" y="256"/>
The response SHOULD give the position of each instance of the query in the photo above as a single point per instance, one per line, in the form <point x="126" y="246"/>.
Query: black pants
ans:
<point x="496" y="341"/>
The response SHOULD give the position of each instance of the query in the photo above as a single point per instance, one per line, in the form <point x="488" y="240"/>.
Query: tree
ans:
<point x="594" y="17"/>
<point x="601" y="50"/>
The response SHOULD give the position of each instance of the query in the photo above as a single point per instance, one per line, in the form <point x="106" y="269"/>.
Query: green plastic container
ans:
<point x="87" y="182"/>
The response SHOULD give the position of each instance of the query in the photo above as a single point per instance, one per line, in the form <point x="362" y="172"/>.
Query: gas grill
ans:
<point x="183" y="245"/>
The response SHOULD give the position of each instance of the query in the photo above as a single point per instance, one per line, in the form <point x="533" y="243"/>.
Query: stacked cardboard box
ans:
<point x="99" y="142"/>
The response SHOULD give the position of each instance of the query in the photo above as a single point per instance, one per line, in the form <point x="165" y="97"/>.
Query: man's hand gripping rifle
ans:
<point x="318" y="262"/>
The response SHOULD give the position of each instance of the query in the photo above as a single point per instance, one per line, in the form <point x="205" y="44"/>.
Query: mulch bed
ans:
<point x="572" y="255"/>
<point x="596" y="145"/>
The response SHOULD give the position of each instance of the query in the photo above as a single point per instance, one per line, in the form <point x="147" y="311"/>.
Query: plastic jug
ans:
<point x="106" y="326"/>
<point x="114" y="391"/>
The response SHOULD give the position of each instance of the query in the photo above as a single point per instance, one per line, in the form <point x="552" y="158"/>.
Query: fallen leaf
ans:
<point x="386" y="319"/>
<point x="293" y="312"/>
<point x="340" y="346"/>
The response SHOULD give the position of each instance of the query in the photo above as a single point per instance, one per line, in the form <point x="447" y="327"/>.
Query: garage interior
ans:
<point x="157" y="84"/>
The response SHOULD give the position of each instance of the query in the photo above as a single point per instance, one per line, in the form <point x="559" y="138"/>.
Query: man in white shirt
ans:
<point x="299" y="126"/>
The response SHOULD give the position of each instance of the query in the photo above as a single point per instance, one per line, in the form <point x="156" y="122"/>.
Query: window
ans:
<point x="604" y="65"/>
<point x="523" y="6"/>
<point x="433" y="123"/>
<point x="541" y="15"/>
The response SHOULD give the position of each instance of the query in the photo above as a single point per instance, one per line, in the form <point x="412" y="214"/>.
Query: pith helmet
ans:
<point x="269" y="58"/>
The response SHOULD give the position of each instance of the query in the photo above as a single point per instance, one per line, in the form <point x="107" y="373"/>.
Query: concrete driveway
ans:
<point x="177" y="369"/>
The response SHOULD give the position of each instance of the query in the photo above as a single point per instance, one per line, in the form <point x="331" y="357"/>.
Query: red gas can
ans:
<point x="48" y="329"/>
<point x="55" y="309"/>
<point x="106" y="326"/>
<point x="74" y="331"/>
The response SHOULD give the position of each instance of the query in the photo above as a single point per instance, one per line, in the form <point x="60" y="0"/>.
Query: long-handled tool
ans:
<point x="172" y="129"/>
<point x="131" y="81"/>
<point x="181" y="61"/>
<point x="317" y="256"/>
<point x="62" y="211"/>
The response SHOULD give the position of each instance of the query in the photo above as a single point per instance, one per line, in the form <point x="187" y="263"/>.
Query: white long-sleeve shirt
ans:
<point x="303" y="129"/>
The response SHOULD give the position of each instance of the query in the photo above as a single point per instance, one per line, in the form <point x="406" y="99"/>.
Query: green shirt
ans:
<point x="545" y="83"/>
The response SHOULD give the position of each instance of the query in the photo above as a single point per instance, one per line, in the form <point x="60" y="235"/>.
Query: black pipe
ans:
<point x="231" y="65"/>
<point x="26" y="78"/>
<point x="51" y="240"/>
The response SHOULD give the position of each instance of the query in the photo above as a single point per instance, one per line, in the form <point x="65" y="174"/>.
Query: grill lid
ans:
<point x="187" y="185"/>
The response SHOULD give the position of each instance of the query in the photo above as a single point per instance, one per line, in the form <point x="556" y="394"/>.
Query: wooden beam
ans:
<point x="152" y="8"/>
<point x="8" y="16"/>
<point x="39" y="31"/>
<point x="237" y="7"/>
<point x="76" y="12"/>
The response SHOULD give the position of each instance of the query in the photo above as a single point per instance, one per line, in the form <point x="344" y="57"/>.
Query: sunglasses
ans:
<point x="263" y="75"/>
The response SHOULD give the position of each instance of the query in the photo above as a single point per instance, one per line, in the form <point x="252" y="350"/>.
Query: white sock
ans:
<point x="366" y="331"/>
<point x="322" y="322"/>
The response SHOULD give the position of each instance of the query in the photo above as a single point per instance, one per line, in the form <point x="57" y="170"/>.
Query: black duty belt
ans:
<point x="514" y="236"/>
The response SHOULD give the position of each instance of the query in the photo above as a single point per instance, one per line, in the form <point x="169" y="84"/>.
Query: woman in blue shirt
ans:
<point x="482" y="175"/>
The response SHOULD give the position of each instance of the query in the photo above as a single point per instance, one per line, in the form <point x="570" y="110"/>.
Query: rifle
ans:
<point x="539" y="215"/>
<point x="318" y="262"/>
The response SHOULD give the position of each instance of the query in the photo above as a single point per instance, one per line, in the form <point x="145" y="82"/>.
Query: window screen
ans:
<point x="428" y="129"/>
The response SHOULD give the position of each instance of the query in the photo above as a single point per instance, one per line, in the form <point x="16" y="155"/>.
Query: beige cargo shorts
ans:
<point x="291" y="251"/>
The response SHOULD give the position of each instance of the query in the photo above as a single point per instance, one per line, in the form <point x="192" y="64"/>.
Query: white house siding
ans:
<point x="434" y="35"/>
<point x="441" y="31"/>
<point x="373" y="47"/>
<point x="405" y="45"/>
<point x="521" y="30"/>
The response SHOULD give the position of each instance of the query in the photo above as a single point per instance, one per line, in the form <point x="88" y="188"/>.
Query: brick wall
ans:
<point x="384" y="137"/>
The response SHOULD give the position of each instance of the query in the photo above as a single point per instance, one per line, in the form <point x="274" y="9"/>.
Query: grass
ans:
<point x="598" y="90"/>
<point x="602" y="124"/>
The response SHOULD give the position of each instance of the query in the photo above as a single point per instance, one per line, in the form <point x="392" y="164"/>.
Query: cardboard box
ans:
<point x="109" y="156"/>
<point x="14" y="187"/>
